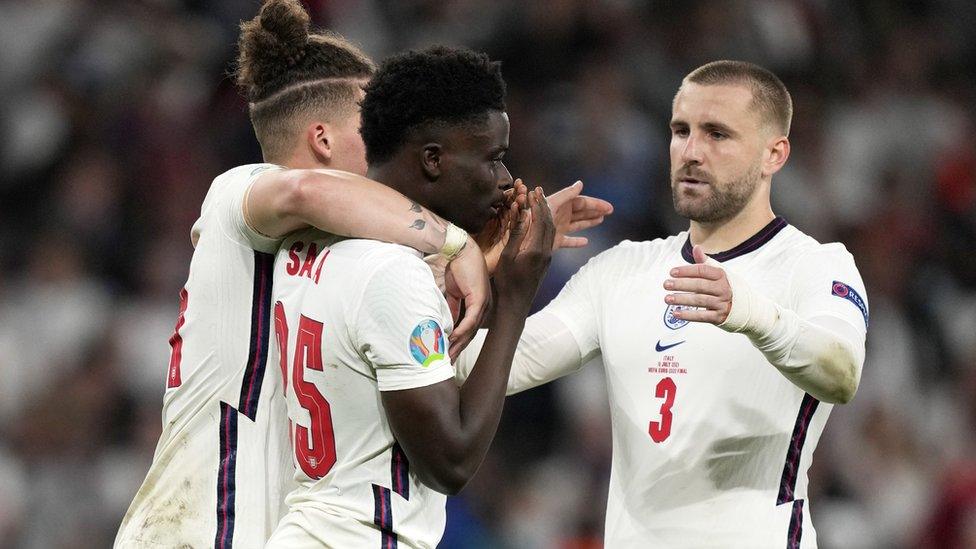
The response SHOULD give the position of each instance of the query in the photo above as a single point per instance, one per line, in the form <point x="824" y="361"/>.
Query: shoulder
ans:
<point x="383" y="263"/>
<point x="239" y="176"/>
<point x="797" y="249"/>
<point x="629" y="257"/>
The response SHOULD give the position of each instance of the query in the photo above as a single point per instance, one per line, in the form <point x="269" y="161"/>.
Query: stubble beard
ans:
<point x="723" y="201"/>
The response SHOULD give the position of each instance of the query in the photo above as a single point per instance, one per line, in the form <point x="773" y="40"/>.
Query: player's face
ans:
<point x="716" y="151"/>
<point x="473" y="175"/>
<point x="349" y="151"/>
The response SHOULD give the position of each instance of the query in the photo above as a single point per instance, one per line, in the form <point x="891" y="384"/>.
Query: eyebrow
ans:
<point x="707" y="126"/>
<point x="718" y="126"/>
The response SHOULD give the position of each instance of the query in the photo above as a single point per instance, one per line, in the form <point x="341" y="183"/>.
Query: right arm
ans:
<point x="558" y="340"/>
<point x="546" y="351"/>
<point x="281" y="201"/>
<point x="341" y="203"/>
<point x="446" y="430"/>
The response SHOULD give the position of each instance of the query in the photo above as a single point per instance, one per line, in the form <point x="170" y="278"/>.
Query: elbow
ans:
<point x="846" y="378"/>
<point x="448" y="480"/>
<point x="844" y="393"/>
<point x="295" y="191"/>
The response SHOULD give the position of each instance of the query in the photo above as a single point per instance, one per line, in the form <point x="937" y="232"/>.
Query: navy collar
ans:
<point x="753" y="243"/>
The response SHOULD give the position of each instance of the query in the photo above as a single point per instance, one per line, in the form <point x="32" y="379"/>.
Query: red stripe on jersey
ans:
<point x="174" y="378"/>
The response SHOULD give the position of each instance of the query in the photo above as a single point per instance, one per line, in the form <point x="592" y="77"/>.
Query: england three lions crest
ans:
<point x="671" y="321"/>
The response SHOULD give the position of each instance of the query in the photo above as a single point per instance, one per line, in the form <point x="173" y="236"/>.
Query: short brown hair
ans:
<point x="286" y="71"/>
<point x="769" y="95"/>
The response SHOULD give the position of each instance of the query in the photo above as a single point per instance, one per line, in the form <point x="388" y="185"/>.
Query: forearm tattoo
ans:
<point x="435" y="234"/>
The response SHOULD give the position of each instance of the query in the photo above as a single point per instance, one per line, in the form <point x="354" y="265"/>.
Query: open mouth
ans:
<point x="692" y="181"/>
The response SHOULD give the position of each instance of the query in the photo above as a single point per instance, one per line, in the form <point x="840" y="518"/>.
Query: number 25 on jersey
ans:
<point x="314" y="445"/>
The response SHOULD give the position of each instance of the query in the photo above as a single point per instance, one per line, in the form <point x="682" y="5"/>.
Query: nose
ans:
<point x="691" y="152"/>
<point x="505" y="180"/>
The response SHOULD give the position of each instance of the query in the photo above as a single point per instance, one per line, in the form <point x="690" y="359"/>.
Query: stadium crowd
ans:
<point x="118" y="114"/>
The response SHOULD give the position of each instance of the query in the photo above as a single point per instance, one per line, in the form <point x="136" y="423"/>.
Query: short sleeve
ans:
<point x="231" y="208"/>
<point x="827" y="283"/>
<point x="403" y="325"/>
<point x="576" y="304"/>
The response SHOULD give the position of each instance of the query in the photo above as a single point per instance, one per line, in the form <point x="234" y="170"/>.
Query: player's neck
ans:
<point x="724" y="235"/>
<point x="392" y="174"/>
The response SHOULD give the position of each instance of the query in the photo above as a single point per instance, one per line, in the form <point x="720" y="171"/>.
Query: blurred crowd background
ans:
<point x="117" y="114"/>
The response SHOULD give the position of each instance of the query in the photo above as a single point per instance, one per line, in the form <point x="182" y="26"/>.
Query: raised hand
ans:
<point x="465" y="279"/>
<point x="527" y="253"/>
<point x="703" y="286"/>
<point x="494" y="236"/>
<point x="573" y="212"/>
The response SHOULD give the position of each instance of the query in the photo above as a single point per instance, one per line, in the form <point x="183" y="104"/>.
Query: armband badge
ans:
<point x="844" y="291"/>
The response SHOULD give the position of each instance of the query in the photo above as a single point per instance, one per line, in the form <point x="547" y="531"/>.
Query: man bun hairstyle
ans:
<point x="769" y="95"/>
<point x="420" y="89"/>
<point x="287" y="72"/>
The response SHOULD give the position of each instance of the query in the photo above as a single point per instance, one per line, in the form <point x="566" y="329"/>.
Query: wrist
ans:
<point x="455" y="240"/>
<point x="751" y="313"/>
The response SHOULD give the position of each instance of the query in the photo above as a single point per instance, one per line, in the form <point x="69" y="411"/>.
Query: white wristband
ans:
<point x="455" y="239"/>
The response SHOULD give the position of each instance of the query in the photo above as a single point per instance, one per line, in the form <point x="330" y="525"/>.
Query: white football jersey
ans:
<point x="353" y="318"/>
<point x="222" y="464"/>
<point x="711" y="443"/>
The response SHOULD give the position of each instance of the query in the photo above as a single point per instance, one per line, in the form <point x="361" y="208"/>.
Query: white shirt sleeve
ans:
<point x="827" y="283"/>
<point x="556" y="341"/>
<point x="546" y="351"/>
<point x="231" y="209"/>
<point x="403" y="324"/>
<point x="817" y="340"/>
<point x="577" y="305"/>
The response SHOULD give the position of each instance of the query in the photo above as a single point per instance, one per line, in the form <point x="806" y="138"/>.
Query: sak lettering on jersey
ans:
<point x="844" y="291"/>
<point x="303" y="265"/>
<point x="427" y="343"/>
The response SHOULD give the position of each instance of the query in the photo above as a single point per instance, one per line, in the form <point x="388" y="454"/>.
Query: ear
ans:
<point x="320" y="141"/>
<point x="430" y="160"/>
<point x="777" y="152"/>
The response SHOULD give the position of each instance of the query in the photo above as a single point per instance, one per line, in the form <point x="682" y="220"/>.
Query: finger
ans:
<point x="590" y="206"/>
<point x="574" y="242"/>
<point x="560" y="197"/>
<point x="523" y="195"/>
<point x="518" y="191"/>
<point x="698" y="270"/>
<point x="693" y="300"/>
<point x="542" y="217"/>
<point x="474" y="306"/>
<point x="577" y="226"/>
<point x="701" y="257"/>
<point x="458" y="345"/>
<point x="703" y="315"/>
<point x="696" y="285"/>
<point x="519" y="228"/>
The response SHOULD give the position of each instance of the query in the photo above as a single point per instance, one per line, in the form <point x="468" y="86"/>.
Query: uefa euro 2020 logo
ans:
<point x="427" y="343"/>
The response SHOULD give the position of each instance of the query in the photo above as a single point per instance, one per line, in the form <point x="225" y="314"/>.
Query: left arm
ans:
<point x="821" y="354"/>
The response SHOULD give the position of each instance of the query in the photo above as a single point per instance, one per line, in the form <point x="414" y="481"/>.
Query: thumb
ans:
<point x="702" y="258"/>
<point x="564" y="195"/>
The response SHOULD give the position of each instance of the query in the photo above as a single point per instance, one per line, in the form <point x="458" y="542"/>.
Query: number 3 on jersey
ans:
<point x="314" y="445"/>
<point x="661" y="430"/>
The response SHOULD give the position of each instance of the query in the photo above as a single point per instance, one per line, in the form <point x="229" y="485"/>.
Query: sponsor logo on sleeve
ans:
<point x="427" y="343"/>
<point x="844" y="291"/>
